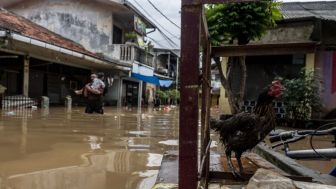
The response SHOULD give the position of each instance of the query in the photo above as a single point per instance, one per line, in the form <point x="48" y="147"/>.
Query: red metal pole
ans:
<point x="190" y="44"/>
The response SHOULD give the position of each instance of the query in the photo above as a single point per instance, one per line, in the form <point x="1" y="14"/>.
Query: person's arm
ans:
<point x="94" y="91"/>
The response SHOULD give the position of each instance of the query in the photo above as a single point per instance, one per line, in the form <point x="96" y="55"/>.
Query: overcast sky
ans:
<point x="171" y="8"/>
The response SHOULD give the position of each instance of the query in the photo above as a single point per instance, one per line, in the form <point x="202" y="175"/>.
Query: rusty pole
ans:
<point x="190" y="43"/>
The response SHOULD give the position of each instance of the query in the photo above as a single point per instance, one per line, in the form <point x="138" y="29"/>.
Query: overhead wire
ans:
<point x="171" y="42"/>
<point x="149" y="15"/>
<point x="166" y="17"/>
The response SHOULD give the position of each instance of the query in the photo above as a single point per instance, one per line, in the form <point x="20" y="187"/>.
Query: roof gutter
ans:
<point x="154" y="29"/>
<point x="52" y="47"/>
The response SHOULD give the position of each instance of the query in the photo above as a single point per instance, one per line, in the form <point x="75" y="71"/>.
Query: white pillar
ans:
<point x="26" y="63"/>
<point x="120" y="92"/>
<point x="140" y="94"/>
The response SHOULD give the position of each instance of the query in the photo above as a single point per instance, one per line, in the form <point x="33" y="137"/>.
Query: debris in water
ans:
<point x="169" y="142"/>
<point x="165" y="186"/>
<point x="144" y="133"/>
<point x="12" y="113"/>
<point x="154" y="160"/>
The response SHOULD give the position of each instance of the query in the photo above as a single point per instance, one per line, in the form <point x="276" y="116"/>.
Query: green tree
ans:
<point x="238" y="24"/>
<point x="174" y="95"/>
<point x="163" y="96"/>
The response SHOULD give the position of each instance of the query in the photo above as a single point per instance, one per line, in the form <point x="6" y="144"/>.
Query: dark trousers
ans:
<point x="94" y="105"/>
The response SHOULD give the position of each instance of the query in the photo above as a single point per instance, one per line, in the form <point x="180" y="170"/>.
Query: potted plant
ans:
<point x="130" y="37"/>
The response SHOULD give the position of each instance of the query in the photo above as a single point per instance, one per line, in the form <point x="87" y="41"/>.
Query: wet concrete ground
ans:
<point x="60" y="149"/>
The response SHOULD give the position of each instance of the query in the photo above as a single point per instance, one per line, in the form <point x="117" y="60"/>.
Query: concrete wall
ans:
<point x="324" y="66"/>
<point x="84" y="21"/>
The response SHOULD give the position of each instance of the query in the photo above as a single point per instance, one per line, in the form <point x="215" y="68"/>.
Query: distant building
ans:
<point x="305" y="38"/>
<point x="113" y="32"/>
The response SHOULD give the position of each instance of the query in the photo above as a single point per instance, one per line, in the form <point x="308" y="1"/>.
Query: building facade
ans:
<point x="113" y="31"/>
<point x="303" y="39"/>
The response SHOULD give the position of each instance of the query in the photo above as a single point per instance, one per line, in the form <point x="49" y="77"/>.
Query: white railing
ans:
<point x="132" y="53"/>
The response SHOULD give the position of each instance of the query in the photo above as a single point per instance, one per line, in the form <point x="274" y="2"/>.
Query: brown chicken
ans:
<point x="243" y="131"/>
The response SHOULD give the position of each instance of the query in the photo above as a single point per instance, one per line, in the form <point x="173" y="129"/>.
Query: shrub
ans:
<point x="302" y="95"/>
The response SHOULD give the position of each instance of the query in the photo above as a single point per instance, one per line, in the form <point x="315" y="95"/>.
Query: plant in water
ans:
<point x="174" y="95"/>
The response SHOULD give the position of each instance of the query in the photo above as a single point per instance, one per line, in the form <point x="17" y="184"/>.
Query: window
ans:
<point x="299" y="59"/>
<point x="117" y="35"/>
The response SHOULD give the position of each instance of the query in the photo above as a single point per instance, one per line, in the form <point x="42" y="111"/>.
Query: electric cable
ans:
<point x="164" y="35"/>
<point x="157" y="9"/>
<point x="311" y="140"/>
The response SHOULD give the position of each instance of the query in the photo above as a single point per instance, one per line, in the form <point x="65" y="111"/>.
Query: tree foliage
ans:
<point x="302" y="95"/>
<point x="241" y="21"/>
<point x="172" y="94"/>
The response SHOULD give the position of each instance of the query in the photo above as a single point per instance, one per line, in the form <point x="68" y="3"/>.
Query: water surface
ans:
<point x="62" y="149"/>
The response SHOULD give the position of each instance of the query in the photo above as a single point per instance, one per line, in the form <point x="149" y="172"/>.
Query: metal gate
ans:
<point x="195" y="36"/>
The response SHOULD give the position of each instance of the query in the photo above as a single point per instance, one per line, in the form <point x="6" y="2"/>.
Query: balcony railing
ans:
<point x="131" y="54"/>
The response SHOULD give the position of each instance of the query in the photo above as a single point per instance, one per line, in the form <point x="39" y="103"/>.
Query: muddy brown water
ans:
<point x="57" y="148"/>
<point x="122" y="149"/>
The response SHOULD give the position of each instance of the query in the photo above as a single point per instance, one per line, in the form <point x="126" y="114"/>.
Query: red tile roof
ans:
<point x="23" y="26"/>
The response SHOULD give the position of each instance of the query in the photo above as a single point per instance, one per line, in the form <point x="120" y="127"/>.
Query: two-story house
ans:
<point x="113" y="30"/>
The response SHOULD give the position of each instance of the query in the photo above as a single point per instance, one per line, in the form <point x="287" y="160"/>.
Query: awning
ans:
<point x="153" y="80"/>
<point x="148" y="79"/>
<point x="165" y="83"/>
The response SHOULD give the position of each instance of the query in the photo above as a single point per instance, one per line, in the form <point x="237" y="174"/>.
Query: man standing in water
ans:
<point x="94" y="93"/>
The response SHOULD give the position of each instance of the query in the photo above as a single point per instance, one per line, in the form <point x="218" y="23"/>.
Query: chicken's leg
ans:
<point x="238" y="157"/>
<point x="229" y="161"/>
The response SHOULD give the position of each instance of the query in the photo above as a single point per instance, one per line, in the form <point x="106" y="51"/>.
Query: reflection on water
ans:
<point x="59" y="149"/>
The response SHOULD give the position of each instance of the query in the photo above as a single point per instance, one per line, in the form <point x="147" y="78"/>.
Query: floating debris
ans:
<point x="154" y="160"/>
<point x="165" y="186"/>
<point x="169" y="142"/>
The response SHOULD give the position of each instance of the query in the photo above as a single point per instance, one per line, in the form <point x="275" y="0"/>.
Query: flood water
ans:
<point x="122" y="149"/>
<point x="62" y="149"/>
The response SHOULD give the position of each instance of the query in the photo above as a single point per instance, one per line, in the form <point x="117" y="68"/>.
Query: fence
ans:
<point x="279" y="108"/>
<point x="18" y="102"/>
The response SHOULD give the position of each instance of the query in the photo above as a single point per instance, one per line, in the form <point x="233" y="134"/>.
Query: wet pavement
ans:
<point x="57" y="148"/>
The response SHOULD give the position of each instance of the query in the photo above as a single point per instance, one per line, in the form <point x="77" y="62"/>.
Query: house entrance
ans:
<point x="132" y="92"/>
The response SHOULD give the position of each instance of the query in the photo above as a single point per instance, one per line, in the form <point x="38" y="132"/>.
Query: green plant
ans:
<point x="130" y="36"/>
<point x="174" y="95"/>
<point x="162" y="95"/>
<point x="302" y="95"/>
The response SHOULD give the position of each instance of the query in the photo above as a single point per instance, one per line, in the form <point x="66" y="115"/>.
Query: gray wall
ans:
<point x="84" y="21"/>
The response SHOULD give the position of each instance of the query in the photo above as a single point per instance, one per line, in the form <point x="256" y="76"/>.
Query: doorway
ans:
<point x="132" y="93"/>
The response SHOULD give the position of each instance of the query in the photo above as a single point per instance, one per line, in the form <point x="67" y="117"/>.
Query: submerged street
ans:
<point x="60" y="149"/>
<point x="57" y="148"/>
